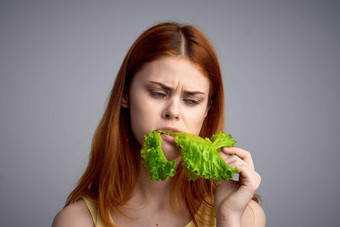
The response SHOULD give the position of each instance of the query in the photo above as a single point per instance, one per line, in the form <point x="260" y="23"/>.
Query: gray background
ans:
<point x="280" y="61"/>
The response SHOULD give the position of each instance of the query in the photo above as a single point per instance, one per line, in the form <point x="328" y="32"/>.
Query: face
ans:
<point x="170" y="93"/>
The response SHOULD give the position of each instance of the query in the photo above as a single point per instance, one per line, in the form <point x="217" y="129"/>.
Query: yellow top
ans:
<point x="91" y="205"/>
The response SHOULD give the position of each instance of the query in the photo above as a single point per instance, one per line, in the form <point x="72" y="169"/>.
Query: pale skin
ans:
<point x="172" y="93"/>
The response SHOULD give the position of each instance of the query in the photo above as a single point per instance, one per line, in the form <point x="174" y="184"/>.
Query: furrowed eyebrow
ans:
<point x="170" y="88"/>
<point x="162" y="85"/>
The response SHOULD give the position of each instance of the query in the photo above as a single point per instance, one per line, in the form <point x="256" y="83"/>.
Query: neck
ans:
<point x="150" y="191"/>
<point x="147" y="188"/>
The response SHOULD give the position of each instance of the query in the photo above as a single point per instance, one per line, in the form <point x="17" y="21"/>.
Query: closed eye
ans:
<point x="191" y="102"/>
<point x="157" y="94"/>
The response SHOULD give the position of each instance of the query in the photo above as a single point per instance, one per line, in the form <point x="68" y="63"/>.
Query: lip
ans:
<point x="169" y="128"/>
<point x="166" y="137"/>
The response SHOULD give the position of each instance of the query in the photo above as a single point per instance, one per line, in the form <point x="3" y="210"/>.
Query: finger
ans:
<point x="243" y="154"/>
<point x="248" y="176"/>
<point x="235" y="161"/>
<point x="223" y="155"/>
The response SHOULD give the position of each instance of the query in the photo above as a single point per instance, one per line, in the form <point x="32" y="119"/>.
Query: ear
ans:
<point x="125" y="101"/>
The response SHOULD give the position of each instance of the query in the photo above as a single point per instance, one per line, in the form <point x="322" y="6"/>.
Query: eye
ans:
<point x="157" y="94"/>
<point x="191" y="102"/>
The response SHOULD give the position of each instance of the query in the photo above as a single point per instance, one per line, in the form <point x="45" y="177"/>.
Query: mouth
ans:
<point x="168" y="130"/>
<point x="167" y="133"/>
<point x="168" y="138"/>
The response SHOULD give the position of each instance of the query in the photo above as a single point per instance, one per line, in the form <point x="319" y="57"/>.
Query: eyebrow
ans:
<point x="166" y="87"/>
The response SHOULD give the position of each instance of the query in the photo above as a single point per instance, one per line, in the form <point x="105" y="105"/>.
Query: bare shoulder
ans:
<point x="253" y="215"/>
<point x="75" y="214"/>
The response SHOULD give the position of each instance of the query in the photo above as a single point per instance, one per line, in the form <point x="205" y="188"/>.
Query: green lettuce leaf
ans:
<point x="154" y="159"/>
<point x="200" y="157"/>
<point x="221" y="140"/>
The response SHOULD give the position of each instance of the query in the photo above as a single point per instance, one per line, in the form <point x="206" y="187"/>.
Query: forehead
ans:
<point x="174" y="71"/>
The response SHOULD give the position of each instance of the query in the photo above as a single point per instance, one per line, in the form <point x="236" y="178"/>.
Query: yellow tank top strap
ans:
<point x="93" y="208"/>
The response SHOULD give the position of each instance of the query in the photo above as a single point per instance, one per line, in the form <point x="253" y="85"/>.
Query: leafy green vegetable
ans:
<point x="200" y="157"/>
<point x="154" y="158"/>
<point x="222" y="140"/>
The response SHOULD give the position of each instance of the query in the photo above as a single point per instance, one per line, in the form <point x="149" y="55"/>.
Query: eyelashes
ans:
<point x="163" y="95"/>
<point x="192" y="102"/>
<point x="157" y="94"/>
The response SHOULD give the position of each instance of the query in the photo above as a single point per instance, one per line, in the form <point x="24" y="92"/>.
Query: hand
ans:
<point x="233" y="197"/>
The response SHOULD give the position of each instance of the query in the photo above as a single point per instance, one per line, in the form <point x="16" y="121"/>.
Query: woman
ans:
<point x="169" y="80"/>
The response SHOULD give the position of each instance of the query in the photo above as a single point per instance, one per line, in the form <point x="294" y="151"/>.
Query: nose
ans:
<point x="171" y="110"/>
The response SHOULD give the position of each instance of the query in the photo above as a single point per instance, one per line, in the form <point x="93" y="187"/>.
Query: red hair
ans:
<point x="112" y="171"/>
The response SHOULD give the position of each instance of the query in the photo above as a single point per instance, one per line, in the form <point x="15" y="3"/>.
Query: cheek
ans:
<point x="141" y="119"/>
<point x="143" y="110"/>
<point x="195" y="120"/>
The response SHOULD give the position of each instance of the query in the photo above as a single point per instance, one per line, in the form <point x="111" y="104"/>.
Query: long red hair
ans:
<point x="112" y="171"/>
